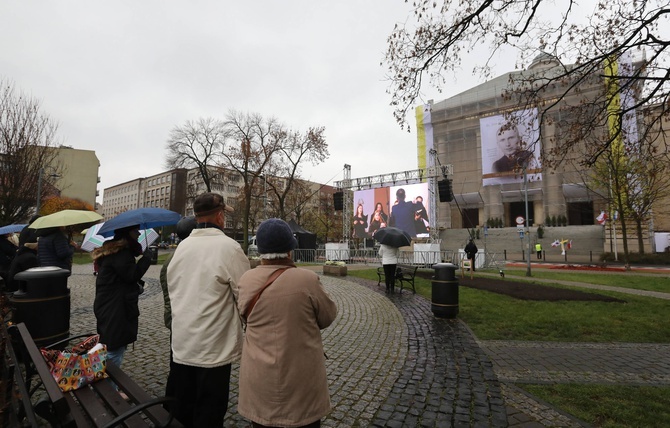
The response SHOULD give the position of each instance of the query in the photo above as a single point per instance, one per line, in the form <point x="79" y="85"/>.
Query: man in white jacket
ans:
<point x="203" y="278"/>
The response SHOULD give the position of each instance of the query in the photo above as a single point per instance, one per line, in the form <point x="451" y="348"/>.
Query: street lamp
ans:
<point x="39" y="188"/>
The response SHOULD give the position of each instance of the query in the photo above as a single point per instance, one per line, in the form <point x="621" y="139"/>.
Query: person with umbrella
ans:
<point x="26" y="257"/>
<point x="389" y="257"/>
<point x="7" y="253"/>
<point x="55" y="248"/>
<point x="117" y="290"/>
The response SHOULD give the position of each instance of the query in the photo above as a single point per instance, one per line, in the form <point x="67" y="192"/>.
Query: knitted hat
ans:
<point x="274" y="236"/>
<point x="185" y="226"/>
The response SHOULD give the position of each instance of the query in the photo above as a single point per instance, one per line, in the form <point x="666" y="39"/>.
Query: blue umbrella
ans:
<point x="144" y="217"/>
<point x="12" y="228"/>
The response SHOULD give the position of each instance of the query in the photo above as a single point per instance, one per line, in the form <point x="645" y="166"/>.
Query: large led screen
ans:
<point x="402" y="206"/>
<point x="508" y="143"/>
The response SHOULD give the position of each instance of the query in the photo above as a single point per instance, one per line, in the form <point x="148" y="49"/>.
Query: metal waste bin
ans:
<point x="43" y="303"/>
<point x="154" y="254"/>
<point x="444" y="297"/>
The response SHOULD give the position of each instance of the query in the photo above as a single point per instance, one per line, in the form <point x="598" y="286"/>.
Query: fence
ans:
<point x="370" y="256"/>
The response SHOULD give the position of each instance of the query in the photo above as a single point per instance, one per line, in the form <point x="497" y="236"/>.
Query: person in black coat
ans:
<point x="55" y="248"/>
<point x="471" y="252"/>
<point x="117" y="290"/>
<point x="26" y="258"/>
<point x="7" y="254"/>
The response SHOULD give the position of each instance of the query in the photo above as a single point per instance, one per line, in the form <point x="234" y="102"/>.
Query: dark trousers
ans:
<point x="389" y="277"/>
<point x="201" y="393"/>
<point x="539" y="254"/>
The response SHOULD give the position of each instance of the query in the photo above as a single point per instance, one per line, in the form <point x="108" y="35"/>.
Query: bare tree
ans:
<point x="292" y="153"/>
<point x="197" y="145"/>
<point x="27" y="137"/>
<point x="250" y="145"/>
<point x="590" y="40"/>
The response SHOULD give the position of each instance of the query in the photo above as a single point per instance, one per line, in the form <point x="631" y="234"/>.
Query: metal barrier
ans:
<point x="368" y="256"/>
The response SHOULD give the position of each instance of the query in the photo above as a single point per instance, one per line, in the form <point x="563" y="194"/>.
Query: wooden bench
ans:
<point x="99" y="404"/>
<point x="403" y="273"/>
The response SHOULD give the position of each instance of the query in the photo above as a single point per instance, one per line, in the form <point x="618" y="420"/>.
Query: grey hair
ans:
<point x="274" y="256"/>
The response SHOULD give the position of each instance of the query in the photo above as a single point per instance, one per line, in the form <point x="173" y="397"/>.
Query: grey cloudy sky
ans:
<point x="118" y="76"/>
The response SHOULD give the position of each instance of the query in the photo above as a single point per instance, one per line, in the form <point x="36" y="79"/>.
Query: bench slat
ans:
<point x="98" y="404"/>
<point x="157" y="414"/>
<point x="111" y="397"/>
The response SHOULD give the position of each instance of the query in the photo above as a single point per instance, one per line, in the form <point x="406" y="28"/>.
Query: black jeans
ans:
<point x="201" y="393"/>
<point x="389" y="276"/>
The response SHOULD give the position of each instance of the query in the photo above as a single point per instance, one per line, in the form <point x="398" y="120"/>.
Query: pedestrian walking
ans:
<point x="471" y="253"/>
<point x="538" y="250"/>
<point x="283" y="380"/>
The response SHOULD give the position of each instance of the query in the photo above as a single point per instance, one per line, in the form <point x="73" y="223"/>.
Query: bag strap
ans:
<point x="271" y="279"/>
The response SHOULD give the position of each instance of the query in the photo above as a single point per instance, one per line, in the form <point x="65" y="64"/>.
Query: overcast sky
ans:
<point x="118" y="76"/>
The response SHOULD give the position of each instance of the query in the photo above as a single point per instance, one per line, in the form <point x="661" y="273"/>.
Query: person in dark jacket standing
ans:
<point x="55" y="249"/>
<point x="26" y="258"/>
<point x="471" y="253"/>
<point x="117" y="290"/>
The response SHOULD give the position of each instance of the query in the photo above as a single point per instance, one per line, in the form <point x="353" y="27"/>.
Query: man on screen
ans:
<point x="402" y="214"/>
<point x="515" y="154"/>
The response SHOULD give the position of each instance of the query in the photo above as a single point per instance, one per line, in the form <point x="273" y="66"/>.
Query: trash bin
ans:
<point x="444" y="297"/>
<point x="154" y="254"/>
<point x="43" y="303"/>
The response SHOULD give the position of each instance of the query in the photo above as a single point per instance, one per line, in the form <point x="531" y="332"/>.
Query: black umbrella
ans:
<point x="393" y="237"/>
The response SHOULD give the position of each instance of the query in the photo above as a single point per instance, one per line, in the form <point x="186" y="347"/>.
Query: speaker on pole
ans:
<point x="444" y="190"/>
<point x="338" y="201"/>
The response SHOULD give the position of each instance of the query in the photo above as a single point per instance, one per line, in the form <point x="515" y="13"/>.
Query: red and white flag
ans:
<point x="602" y="218"/>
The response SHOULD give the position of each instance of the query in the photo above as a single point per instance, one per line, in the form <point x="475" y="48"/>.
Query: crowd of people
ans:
<point x="218" y="310"/>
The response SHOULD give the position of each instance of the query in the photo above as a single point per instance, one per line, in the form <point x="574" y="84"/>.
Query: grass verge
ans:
<point x="609" y="405"/>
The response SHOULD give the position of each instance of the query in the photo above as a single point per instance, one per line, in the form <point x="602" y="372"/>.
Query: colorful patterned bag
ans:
<point x="83" y="364"/>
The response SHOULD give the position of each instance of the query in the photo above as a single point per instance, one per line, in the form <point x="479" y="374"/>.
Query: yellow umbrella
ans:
<point x="66" y="218"/>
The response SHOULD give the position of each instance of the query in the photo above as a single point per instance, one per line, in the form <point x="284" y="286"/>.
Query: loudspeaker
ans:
<point x="444" y="190"/>
<point x="338" y="201"/>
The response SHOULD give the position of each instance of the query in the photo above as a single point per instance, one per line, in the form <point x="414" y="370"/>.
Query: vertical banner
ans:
<point x="424" y="135"/>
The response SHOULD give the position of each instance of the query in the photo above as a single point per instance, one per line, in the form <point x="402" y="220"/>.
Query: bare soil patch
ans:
<point x="527" y="291"/>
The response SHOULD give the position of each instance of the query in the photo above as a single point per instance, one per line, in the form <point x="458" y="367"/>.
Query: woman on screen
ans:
<point x="360" y="223"/>
<point x="378" y="220"/>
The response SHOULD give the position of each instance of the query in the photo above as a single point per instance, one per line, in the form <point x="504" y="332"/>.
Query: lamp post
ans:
<point x="525" y="190"/>
<point x="39" y="188"/>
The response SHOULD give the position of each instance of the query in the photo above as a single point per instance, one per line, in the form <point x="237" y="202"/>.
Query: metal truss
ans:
<point x="404" y="177"/>
<point x="429" y="174"/>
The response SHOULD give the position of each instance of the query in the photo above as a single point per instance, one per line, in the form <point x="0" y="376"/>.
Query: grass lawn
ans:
<point x="607" y="405"/>
<point x="640" y="320"/>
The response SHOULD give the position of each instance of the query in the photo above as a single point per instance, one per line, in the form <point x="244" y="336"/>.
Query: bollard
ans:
<point x="444" y="302"/>
<point x="43" y="303"/>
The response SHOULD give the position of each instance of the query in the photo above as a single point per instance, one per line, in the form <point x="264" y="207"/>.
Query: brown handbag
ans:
<point x="271" y="279"/>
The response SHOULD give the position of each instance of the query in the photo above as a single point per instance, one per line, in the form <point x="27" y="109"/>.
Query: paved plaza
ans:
<point x="391" y="363"/>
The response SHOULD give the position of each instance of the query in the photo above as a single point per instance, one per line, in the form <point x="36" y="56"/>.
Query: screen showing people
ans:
<point x="510" y="143"/>
<point x="404" y="207"/>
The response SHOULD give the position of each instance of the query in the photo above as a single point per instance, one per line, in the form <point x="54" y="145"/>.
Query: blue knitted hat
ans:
<point x="274" y="235"/>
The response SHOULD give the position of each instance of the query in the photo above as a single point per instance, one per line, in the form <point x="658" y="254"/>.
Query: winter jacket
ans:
<point x="203" y="278"/>
<point x="26" y="258"/>
<point x="282" y="373"/>
<point x="54" y="249"/>
<point x="117" y="292"/>
<point x="389" y="255"/>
